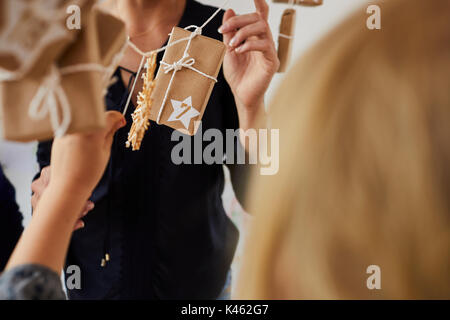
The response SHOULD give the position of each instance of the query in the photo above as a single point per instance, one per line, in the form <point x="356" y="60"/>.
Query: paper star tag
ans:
<point x="183" y="111"/>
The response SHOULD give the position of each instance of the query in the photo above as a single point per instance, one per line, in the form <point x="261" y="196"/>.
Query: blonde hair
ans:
<point x="364" y="174"/>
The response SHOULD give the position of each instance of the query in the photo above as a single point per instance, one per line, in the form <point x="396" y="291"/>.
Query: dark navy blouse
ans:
<point x="163" y="225"/>
<point x="10" y="220"/>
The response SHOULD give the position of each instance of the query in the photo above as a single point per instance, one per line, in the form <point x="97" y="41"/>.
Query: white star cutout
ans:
<point x="183" y="111"/>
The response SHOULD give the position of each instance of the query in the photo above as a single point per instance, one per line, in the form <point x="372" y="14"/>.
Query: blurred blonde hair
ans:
<point x="364" y="174"/>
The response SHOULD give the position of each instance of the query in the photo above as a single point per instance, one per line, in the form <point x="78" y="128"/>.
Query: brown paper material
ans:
<point x="2" y="14"/>
<point x="285" y="44"/>
<point x="310" y="3"/>
<point x="29" y="41"/>
<point x="84" y="90"/>
<point x="190" y="91"/>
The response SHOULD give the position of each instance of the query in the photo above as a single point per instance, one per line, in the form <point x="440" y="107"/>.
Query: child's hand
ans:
<point x="38" y="187"/>
<point x="79" y="160"/>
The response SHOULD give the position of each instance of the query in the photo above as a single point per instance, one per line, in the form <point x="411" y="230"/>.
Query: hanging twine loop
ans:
<point x="198" y="31"/>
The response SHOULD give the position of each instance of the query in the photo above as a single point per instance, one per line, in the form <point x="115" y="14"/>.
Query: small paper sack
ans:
<point x="34" y="33"/>
<point x="3" y="15"/>
<point x="286" y="38"/>
<point x="68" y="96"/>
<point x="184" y="83"/>
<point x="311" y="3"/>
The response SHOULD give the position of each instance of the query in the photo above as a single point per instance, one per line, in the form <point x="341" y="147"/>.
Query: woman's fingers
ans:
<point x="227" y="36"/>
<point x="238" y="29"/>
<point x="254" y="45"/>
<point x="259" y="28"/>
<point x="262" y="8"/>
<point x="236" y="22"/>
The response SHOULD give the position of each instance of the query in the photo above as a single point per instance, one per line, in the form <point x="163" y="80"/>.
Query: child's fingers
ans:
<point x="78" y="225"/>
<point x="114" y="121"/>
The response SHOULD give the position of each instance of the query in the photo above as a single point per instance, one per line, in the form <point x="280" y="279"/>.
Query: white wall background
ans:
<point x="18" y="160"/>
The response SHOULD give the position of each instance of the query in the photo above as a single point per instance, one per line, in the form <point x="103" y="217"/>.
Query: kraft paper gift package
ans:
<point x="190" y="90"/>
<point x="180" y="93"/>
<point x="52" y="80"/>
<point x="44" y="93"/>
<point x="31" y="39"/>
<point x="287" y="27"/>
<point x="55" y="98"/>
<point x="285" y="38"/>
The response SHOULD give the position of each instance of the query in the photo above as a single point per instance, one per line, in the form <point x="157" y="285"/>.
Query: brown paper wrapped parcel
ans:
<point x="98" y="41"/>
<point x="285" y="38"/>
<point x="34" y="34"/>
<point x="190" y="91"/>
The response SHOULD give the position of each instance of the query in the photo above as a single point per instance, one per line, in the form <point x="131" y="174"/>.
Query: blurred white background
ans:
<point x="19" y="160"/>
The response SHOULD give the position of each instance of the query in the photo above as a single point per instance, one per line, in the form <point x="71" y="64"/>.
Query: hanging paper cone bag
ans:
<point x="33" y="34"/>
<point x="68" y="97"/>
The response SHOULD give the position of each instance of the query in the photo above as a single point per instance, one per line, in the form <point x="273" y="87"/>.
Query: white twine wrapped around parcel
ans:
<point x="51" y="94"/>
<point x="282" y="35"/>
<point x="291" y="4"/>
<point x="45" y="102"/>
<point x="184" y="62"/>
